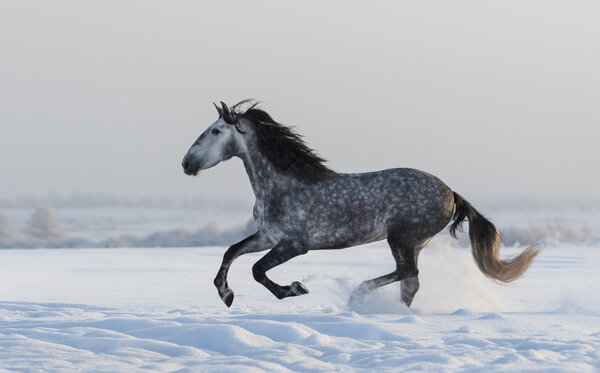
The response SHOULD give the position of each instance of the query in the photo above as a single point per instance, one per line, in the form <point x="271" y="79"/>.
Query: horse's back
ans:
<point x="407" y="188"/>
<point x="417" y="199"/>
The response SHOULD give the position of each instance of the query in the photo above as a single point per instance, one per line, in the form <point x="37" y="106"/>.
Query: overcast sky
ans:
<point x="497" y="98"/>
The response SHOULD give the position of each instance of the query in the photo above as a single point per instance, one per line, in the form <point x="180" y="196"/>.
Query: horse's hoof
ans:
<point x="298" y="288"/>
<point x="227" y="298"/>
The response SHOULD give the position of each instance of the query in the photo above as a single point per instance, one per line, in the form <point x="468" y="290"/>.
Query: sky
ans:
<point x="499" y="99"/>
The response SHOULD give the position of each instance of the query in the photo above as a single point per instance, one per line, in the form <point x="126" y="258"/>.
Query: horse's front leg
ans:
<point x="281" y="253"/>
<point x="256" y="242"/>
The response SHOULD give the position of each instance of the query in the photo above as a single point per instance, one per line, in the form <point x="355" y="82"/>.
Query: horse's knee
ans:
<point x="258" y="272"/>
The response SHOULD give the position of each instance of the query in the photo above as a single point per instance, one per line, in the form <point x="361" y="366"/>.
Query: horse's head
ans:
<point x="220" y="141"/>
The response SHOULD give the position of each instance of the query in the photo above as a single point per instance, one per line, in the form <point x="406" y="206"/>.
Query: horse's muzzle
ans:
<point x="189" y="168"/>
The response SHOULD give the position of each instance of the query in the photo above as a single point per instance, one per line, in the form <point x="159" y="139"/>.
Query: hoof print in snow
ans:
<point x="298" y="288"/>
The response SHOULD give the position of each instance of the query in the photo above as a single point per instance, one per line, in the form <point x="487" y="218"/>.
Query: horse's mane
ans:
<point x="283" y="147"/>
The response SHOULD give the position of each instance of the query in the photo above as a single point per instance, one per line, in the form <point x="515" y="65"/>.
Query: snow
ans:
<point x="157" y="309"/>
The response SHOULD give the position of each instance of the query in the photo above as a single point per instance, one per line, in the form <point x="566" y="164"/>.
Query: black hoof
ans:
<point x="298" y="288"/>
<point x="227" y="297"/>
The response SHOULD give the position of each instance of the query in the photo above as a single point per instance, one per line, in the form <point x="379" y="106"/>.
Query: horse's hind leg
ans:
<point x="410" y="286"/>
<point x="366" y="286"/>
<point x="405" y="252"/>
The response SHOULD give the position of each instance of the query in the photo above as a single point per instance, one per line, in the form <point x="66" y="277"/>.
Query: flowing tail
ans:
<point x="485" y="244"/>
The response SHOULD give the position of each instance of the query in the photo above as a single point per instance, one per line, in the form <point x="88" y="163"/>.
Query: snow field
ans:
<point x="157" y="310"/>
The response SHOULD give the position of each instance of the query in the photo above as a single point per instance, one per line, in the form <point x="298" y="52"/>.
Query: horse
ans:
<point x="303" y="205"/>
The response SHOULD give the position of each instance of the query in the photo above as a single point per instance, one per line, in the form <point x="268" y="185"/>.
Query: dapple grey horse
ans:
<point x="303" y="205"/>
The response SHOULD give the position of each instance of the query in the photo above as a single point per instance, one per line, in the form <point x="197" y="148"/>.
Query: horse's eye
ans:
<point x="216" y="131"/>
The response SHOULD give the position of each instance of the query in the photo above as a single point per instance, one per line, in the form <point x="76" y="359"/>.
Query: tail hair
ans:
<point x="485" y="244"/>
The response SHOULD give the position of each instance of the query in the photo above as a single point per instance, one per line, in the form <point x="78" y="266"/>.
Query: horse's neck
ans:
<point x="265" y="179"/>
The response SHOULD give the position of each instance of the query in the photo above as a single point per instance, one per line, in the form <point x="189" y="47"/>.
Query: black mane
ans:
<point x="284" y="148"/>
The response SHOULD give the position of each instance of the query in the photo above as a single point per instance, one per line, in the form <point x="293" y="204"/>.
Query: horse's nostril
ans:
<point x="186" y="164"/>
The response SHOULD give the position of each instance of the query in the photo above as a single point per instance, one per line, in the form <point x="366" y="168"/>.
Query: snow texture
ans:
<point x="157" y="310"/>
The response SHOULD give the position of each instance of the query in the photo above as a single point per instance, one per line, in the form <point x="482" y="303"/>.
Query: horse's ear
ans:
<point x="219" y="110"/>
<point x="227" y="116"/>
<point x="225" y="107"/>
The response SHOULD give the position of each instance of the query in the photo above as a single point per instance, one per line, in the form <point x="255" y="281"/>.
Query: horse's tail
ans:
<point x="485" y="244"/>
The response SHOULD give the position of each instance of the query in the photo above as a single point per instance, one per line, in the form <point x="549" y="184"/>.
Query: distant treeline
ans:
<point x="43" y="231"/>
<point x="81" y="200"/>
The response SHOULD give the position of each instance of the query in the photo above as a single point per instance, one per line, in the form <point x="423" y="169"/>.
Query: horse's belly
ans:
<point x="345" y="232"/>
